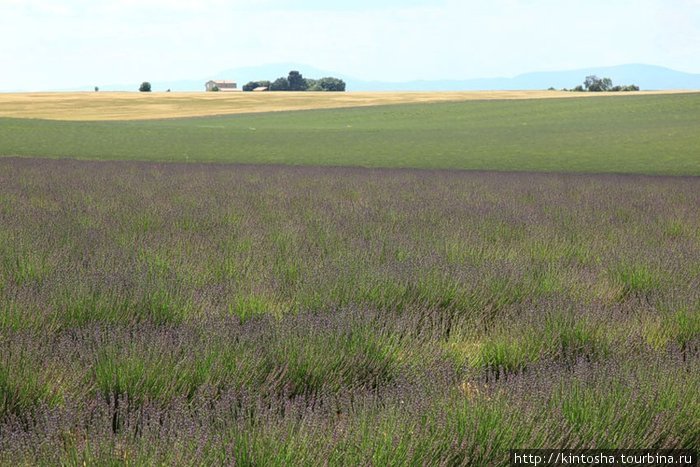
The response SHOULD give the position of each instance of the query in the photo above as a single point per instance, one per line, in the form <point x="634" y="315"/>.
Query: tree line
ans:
<point x="594" y="84"/>
<point x="296" y="82"/>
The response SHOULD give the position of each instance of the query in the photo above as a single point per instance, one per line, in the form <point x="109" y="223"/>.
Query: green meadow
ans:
<point x="657" y="134"/>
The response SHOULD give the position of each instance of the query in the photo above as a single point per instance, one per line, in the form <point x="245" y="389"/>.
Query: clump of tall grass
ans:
<point x="25" y="388"/>
<point x="635" y="280"/>
<point x="679" y="328"/>
<point x="559" y="336"/>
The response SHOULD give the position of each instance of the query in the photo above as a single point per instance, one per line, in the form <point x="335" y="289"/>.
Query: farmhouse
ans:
<point x="221" y="85"/>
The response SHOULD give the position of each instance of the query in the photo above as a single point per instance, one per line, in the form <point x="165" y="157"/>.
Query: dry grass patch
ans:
<point x="89" y="106"/>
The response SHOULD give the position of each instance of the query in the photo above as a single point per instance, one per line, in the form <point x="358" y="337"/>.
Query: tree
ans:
<point x="590" y="81"/>
<point x="312" y="84"/>
<point x="145" y="87"/>
<point x="97" y="89"/>
<point x="331" y="84"/>
<point x="280" y="84"/>
<point x="594" y="84"/>
<point x="296" y="81"/>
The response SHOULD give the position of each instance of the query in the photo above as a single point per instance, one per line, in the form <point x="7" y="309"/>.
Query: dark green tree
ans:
<point x="331" y="84"/>
<point x="145" y="87"/>
<point x="280" y="84"/>
<point x="312" y="84"/>
<point x="594" y="84"/>
<point x="296" y="81"/>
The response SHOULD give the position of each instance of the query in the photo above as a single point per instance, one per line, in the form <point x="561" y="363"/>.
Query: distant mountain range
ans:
<point x="647" y="77"/>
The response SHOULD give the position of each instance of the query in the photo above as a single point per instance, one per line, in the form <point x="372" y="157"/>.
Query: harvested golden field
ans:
<point x="137" y="106"/>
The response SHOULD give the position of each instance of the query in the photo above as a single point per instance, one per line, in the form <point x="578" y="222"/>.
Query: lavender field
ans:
<point x="267" y="315"/>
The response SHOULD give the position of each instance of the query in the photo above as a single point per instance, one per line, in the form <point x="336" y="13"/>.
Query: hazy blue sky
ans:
<point x="54" y="43"/>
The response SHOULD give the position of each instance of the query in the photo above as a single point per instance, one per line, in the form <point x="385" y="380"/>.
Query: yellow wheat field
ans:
<point x="137" y="106"/>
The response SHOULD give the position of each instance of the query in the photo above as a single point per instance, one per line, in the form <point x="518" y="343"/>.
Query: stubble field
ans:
<point x="118" y="106"/>
<point x="174" y="313"/>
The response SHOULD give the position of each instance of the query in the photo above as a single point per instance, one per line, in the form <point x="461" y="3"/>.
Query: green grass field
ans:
<point x="657" y="134"/>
